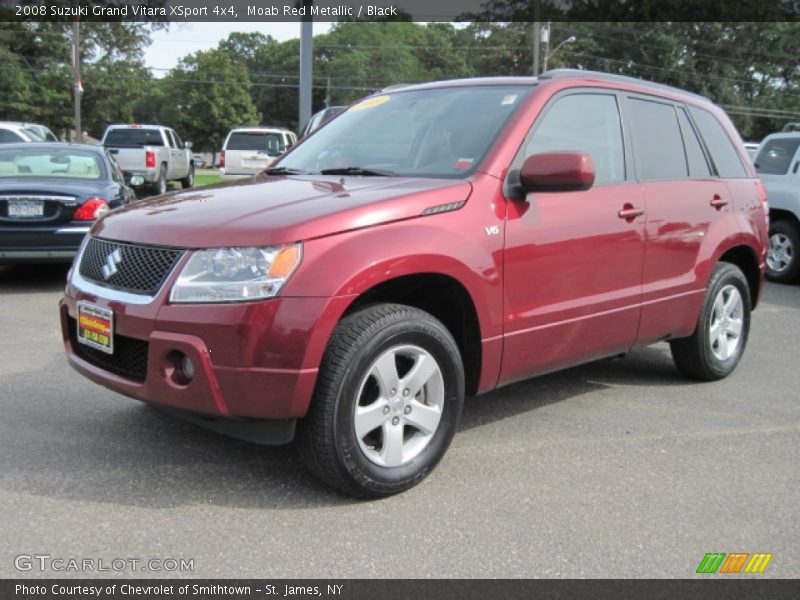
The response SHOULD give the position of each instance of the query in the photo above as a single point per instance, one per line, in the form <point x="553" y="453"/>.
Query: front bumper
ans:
<point x="256" y="360"/>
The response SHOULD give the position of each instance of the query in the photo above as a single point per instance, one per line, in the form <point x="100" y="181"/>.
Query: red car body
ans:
<point x="531" y="285"/>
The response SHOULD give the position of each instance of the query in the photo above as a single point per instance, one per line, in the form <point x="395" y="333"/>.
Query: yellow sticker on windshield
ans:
<point x="370" y="102"/>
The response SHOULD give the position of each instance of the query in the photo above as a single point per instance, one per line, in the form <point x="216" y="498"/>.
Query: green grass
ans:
<point x="201" y="180"/>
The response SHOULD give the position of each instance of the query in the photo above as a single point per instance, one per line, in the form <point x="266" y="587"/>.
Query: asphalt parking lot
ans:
<point x="619" y="468"/>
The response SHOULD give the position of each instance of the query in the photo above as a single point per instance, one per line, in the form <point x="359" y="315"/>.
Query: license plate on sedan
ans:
<point x="25" y="208"/>
<point x="96" y="327"/>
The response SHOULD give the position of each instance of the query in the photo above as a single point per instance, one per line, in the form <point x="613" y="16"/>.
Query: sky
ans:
<point x="185" y="38"/>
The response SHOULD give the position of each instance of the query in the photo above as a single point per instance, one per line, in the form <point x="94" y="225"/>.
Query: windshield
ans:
<point x="256" y="141"/>
<point x="133" y="137"/>
<point x="443" y="132"/>
<point x="56" y="162"/>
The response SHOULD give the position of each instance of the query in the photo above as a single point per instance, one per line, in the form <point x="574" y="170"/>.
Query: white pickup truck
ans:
<point x="150" y="155"/>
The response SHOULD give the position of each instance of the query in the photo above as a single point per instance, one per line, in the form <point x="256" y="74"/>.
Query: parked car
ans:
<point x="752" y="148"/>
<point x="199" y="161"/>
<point x="777" y="164"/>
<point x="432" y="242"/>
<point x="50" y="194"/>
<point x="249" y="150"/>
<point x="153" y="152"/>
<point x="15" y="131"/>
<point x="322" y="117"/>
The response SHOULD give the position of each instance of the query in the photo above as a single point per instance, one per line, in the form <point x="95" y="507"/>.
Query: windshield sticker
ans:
<point x="463" y="163"/>
<point x="370" y="102"/>
<point x="508" y="99"/>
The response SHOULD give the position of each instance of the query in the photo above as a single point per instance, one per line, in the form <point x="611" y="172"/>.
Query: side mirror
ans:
<point x="188" y="145"/>
<point x="557" y="172"/>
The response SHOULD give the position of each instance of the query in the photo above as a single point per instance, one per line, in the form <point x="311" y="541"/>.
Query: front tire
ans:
<point x="387" y="402"/>
<point x="783" y="264"/>
<point x="715" y="348"/>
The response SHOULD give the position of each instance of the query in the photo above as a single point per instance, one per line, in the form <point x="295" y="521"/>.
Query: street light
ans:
<point x="570" y="40"/>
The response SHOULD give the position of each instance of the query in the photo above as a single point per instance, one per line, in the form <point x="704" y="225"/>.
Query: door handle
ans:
<point x="629" y="212"/>
<point x="718" y="201"/>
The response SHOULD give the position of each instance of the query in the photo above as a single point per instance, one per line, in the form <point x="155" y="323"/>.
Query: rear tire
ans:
<point x="160" y="185"/>
<point x="783" y="264"/>
<point x="718" y="342"/>
<point x="188" y="181"/>
<point x="387" y="402"/>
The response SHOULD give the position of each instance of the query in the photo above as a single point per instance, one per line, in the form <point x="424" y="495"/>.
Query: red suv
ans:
<point x="432" y="242"/>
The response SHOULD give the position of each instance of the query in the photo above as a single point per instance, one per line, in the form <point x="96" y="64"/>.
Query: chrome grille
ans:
<point x="127" y="267"/>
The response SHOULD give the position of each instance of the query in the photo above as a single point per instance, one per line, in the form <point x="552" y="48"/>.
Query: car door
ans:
<point x="182" y="158"/>
<point x="573" y="260"/>
<point x="174" y="155"/>
<point x="683" y="200"/>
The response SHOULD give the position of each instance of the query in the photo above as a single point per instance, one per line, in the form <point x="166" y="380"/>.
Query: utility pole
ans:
<point x="536" y="9"/>
<point x="546" y="42"/>
<point x="77" y="88"/>
<point x="306" y="65"/>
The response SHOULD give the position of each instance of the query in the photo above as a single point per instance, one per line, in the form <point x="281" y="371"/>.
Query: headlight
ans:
<point x="235" y="274"/>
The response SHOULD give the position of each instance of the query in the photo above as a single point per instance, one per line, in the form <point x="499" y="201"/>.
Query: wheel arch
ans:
<point x="445" y="298"/>
<point x="745" y="258"/>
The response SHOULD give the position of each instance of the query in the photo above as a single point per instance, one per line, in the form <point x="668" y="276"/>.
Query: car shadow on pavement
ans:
<point x="84" y="443"/>
<point x="650" y="366"/>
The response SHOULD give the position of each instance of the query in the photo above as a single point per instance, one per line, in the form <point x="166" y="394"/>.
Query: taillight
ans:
<point x="92" y="209"/>
<point x="149" y="159"/>
<point x="762" y="195"/>
<point x="222" y="159"/>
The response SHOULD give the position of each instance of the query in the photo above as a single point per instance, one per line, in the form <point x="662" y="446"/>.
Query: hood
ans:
<point x="274" y="210"/>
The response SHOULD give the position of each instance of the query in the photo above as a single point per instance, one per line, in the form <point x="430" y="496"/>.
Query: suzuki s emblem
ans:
<point x="112" y="261"/>
<point x="492" y="230"/>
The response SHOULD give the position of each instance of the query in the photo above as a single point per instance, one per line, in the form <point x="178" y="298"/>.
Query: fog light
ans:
<point x="187" y="368"/>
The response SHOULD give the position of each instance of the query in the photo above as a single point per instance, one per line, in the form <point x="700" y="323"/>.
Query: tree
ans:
<point x="206" y="96"/>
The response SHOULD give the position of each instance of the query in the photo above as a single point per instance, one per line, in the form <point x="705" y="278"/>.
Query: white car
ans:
<point x="249" y="150"/>
<point x="778" y="166"/>
<point x="16" y="131"/>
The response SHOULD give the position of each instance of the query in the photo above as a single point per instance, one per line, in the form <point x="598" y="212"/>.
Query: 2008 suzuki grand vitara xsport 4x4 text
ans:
<point x="431" y="242"/>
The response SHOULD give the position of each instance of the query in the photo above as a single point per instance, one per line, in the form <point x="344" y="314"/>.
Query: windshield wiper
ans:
<point x="284" y="171"/>
<point x="358" y="171"/>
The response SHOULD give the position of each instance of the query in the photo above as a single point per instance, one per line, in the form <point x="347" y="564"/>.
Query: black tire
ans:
<point x="160" y="185"/>
<point x="327" y="438"/>
<point x="713" y="350"/>
<point x="188" y="181"/>
<point x="783" y="264"/>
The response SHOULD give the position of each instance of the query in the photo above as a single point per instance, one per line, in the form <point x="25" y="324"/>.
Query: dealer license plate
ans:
<point x="96" y="327"/>
<point x="25" y="208"/>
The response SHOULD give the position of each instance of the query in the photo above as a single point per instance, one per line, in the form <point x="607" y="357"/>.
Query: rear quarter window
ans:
<point x="723" y="153"/>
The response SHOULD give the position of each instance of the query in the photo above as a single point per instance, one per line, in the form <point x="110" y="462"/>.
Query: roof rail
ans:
<point x="558" y="73"/>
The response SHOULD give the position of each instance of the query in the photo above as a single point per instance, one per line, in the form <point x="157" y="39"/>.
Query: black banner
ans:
<point x="405" y="589"/>
<point x="398" y="10"/>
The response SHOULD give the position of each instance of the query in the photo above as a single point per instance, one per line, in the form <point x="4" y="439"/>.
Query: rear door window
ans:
<point x="658" y="141"/>
<point x="776" y="155"/>
<point x="695" y="157"/>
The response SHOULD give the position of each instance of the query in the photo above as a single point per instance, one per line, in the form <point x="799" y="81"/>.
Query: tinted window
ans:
<point x="698" y="165"/>
<point x="584" y="123"/>
<point x="178" y="142"/>
<point x="9" y="137"/>
<point x="776" y="155"/>
<point x="134" y="137"/>
<point x="659" y="146"/>
<point x="258" y="141"/>
<point x="723" y="154"/>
